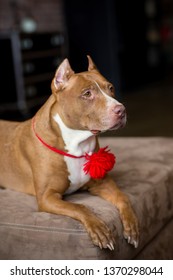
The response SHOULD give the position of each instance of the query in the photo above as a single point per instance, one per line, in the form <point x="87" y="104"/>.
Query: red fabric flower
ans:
<point x="99" y="163"/>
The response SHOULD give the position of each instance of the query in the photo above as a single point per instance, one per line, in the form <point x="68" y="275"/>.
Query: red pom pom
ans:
<point x="99" y="163"/>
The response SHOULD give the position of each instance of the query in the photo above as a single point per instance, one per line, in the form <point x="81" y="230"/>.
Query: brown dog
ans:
<point x="81" y="106"/>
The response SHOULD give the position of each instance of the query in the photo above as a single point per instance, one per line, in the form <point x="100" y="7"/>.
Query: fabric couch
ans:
<point x="144" y="170"/>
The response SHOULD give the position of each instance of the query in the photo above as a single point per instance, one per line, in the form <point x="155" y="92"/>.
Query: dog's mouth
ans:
<point x="116" y="126"/>
<point x="120" y="124"/>
<point x="95" y="132"/>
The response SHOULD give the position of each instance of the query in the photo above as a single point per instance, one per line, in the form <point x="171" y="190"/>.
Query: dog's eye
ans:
<point x="87" y="94"/>
<point x="111" y="88"/>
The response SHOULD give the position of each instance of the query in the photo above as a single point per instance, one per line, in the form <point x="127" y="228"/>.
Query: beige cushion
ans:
<point x="144" y="170"/>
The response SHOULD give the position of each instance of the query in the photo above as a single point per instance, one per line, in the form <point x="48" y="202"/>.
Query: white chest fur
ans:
<point x="77" y="142"/>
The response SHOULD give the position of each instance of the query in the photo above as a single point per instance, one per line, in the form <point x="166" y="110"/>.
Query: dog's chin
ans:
<point x="116" y="126"/>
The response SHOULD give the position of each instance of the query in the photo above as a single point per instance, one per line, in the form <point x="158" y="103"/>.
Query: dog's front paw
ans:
<point x="131" y="227"/>
<point x="100" y="234"/>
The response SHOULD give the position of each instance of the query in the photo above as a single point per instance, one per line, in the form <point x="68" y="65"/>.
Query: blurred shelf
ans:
<point x="28" y="64"/>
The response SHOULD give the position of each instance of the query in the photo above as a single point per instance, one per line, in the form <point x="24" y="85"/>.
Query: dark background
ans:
<point x="131" y="43"/>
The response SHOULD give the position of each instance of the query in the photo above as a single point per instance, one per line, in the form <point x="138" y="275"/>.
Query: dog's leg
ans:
<point x="108" y="190"/>
<point x="51" y="201"/>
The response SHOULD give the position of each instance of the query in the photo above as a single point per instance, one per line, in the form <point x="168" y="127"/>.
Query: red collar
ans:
<point x="63" y="153"/>
<point x="97" y="165"/>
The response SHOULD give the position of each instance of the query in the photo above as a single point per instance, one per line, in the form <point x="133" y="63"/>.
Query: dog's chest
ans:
<point x="77" y="143"/>
<point x="77" y="177"/>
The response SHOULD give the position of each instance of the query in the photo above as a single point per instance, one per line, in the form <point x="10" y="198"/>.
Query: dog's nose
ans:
<point x="120" y="110"/>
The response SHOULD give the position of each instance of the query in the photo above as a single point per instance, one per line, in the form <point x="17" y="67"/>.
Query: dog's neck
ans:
<point x="77" y="142"/>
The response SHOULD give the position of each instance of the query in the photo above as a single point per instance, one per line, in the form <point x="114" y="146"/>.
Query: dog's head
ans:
<point x="86" y="100"/>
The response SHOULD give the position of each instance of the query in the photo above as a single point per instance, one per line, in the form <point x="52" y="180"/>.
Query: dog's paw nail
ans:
<point x="125" y="236"/>
<point x="128" y="239"/>
<point x="112" y="245"/>
<point x="100" y="245"/>
<point x="135" y="243"/>
<point x="109" y="246"/>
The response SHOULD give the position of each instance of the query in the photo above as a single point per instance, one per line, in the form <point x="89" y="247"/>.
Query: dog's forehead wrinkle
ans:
<point x="110" y="100"/>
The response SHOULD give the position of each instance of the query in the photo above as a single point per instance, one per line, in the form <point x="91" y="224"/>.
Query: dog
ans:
<point x="47" y="156"/>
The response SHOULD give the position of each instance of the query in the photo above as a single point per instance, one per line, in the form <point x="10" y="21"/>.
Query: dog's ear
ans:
<point x="91" y="64"/>
<point x="63" y="74"/>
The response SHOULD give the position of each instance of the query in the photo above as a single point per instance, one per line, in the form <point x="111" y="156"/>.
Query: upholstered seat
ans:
<point x="144" y="170"/>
